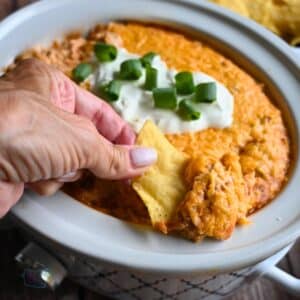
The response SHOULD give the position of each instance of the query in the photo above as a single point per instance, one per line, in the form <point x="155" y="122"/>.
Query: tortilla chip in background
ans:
<point x="279" y="16"/>
<point x="162" y="186"/>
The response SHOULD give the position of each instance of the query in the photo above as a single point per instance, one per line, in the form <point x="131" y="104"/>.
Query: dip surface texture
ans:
<point x="233" y="171"/>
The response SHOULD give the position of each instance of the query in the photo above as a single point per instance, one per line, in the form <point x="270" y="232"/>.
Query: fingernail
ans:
<point x="142" y="157"/>
<point x="66" y="177"/>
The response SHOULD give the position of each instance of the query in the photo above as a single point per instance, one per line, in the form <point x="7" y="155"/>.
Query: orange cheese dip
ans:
<point x="233" y="172"/>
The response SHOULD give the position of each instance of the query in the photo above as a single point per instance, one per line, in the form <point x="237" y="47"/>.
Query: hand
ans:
<point x="50" y="130"/>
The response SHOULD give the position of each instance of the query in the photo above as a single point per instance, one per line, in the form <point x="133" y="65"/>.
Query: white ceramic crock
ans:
<point x="129" y="262"/>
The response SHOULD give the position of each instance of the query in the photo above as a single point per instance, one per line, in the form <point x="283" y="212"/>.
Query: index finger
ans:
<point x="106" y="120"/>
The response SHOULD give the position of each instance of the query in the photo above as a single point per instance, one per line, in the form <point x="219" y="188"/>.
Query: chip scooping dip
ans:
<point x="162" y="186"/>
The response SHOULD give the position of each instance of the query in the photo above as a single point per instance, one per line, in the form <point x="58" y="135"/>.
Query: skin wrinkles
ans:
<point x="41" y="167"/>
<point x="14" y="158"/>
<point x="42" y="140"/>
<point x="79" y="153"/>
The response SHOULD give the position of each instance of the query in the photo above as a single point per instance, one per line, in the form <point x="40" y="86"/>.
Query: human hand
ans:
<point x="51" y="129"/>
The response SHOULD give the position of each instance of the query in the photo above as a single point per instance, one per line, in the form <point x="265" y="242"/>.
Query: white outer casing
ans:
<point x="114" y="242"/>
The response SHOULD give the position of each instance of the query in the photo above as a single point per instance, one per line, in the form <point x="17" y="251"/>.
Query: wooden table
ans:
<point x="11" y="285"/>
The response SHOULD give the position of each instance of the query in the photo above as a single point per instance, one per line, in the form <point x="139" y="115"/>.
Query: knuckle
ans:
<point x="34" y="66"/>
<point x="116" y="161"/>
<point x="40" y="68"/>
<point x="30" y="67"/>
<point x="32" y="63"/>
<point x="33" y="75"/>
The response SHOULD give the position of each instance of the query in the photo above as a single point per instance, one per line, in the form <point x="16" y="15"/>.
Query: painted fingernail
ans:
<point x="142" y="157"/>
<point x="67" y="177"/>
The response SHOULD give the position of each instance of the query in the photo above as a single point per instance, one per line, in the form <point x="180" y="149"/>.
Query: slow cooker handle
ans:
<point x="288" y="282"/>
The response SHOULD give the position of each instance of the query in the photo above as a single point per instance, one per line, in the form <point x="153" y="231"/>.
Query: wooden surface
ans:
<point x="11" y="284"/>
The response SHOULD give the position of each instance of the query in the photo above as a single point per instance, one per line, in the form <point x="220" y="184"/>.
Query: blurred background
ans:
<point x="280" y="16"/>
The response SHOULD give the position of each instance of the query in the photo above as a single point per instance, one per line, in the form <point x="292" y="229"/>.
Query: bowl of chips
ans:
<point x="281" y="17"/>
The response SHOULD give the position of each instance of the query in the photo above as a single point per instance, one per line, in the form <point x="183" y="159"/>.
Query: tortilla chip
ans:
<point x="280" y="16"/>
<point x="162" y="187"/>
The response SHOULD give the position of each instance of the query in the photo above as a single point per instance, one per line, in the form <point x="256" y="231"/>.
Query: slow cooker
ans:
<point x="122" y="260"/>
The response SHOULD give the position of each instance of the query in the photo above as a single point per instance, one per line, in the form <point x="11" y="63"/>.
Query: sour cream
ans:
<point x="135" y="105"/>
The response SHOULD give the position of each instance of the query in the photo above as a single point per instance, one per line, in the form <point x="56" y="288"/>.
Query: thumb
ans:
<point x="121" y="162"/>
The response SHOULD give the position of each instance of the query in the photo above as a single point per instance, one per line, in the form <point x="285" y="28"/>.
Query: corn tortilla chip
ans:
<point x="162" y="186"/>
<point x="280" y="16"/>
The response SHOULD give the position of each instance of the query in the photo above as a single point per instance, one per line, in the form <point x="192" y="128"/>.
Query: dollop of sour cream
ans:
<point x="135" y="105"/>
